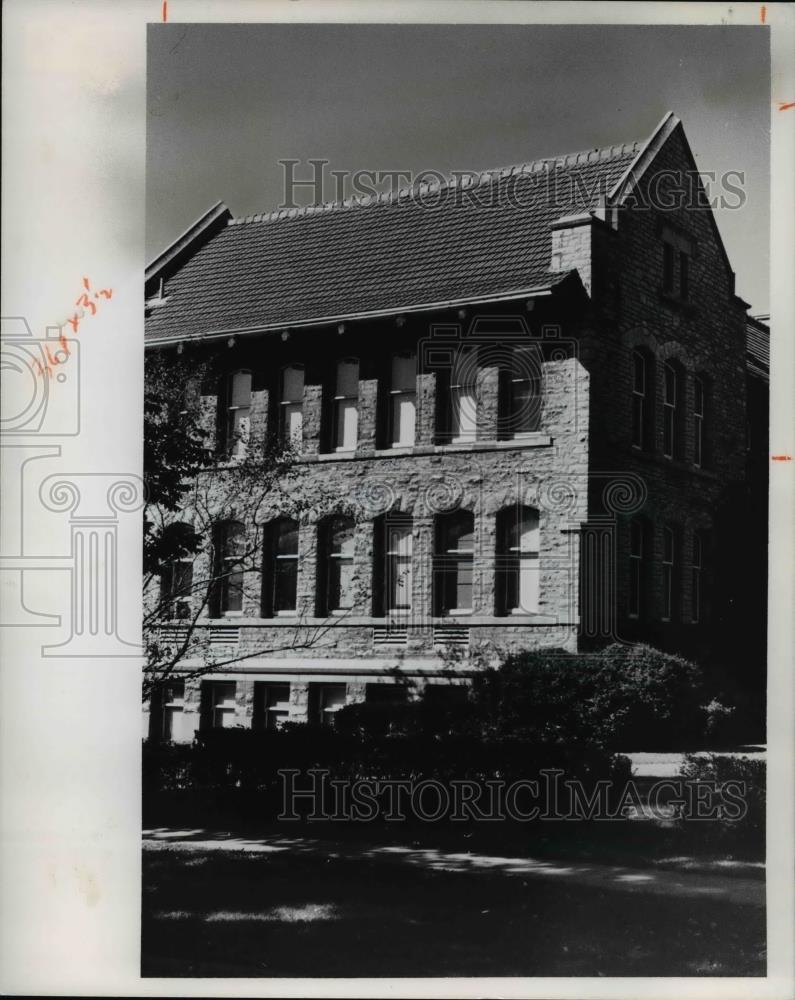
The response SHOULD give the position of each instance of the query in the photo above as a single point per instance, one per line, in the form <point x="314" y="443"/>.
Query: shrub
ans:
<point x="648" y="700"/>
<point x="622" y="698"/>
<point x="746" y="835"/>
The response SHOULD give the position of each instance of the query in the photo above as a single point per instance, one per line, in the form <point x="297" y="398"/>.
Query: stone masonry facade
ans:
<point x="581" y="468"/>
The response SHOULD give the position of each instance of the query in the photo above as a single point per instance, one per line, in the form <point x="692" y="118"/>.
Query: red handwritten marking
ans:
<point x="781" y="458"/>
<point x="165" y="10"/>
<point x="785" y="107"/>
<point x="763" y="14"/>
<point x="84" y="302"/>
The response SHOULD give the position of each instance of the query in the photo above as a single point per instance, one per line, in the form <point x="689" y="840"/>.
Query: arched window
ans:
<point x="291" y="405"/>
<point x="230" y="550"/>
<point x="518" y="561"/>
<point x="392" y="564"/>
<point x="520" y="394"/>
<point x="281" y="567"/>
<point x="403" y="400"/>
<point x="335" y="572"/>
<point x="455" y="549"/>
<point x="346" y="405"/>
<point x="238" y="413"/>
<point x="176" y="577"/>
<point x="642" y="400"/>
<point x="672" y="410"/>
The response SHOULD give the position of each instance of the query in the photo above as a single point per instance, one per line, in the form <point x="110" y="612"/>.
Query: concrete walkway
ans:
<point x="730" y="882"/>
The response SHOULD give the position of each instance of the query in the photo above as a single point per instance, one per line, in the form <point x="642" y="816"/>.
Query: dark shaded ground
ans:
<point x="292" y="908"/>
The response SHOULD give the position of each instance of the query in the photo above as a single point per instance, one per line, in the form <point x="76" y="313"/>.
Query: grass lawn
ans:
<point x="286" y="911"/>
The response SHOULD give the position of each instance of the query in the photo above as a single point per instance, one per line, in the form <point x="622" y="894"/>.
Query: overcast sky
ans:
<point x="227" y="102"/>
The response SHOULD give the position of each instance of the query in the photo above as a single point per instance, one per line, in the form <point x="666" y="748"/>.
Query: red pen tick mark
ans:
<point x="785" y="107"/>
<point x="781" y="458"/>
<point x="763" y="14"/>
<point x="165" y="10"/>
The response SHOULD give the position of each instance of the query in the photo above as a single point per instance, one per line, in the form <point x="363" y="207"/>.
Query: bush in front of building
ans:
<point x="740" y="833"/>
<point x="623" y="698"/>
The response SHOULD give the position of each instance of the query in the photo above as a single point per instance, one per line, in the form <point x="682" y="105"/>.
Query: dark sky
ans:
<point x="227" y="102"/>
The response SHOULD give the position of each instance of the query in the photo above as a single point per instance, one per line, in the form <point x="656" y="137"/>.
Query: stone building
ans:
<point x="521" y="397"/>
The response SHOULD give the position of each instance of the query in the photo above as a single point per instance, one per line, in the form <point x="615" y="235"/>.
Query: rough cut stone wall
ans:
<point x="546" y="470"/>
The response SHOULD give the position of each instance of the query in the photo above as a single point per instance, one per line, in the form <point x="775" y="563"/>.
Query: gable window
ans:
<point x="638" y="535"/>
<point x="238" y="413"/>
<point x="697" y="566"/>
<point x="520" y="395"/>
<point x="455" y="549"/>
<point x="336" y="574"/>
<point x="677" y="250"/>
<point x="669" y="255"/>
<point x="346" y="405"/>
<point x="325" y="700"/>
<point x="281" y="572"/>
<point x="698" y="421"/>
<point x="291" y="405"/>
<point x="403" y="400"/>
<point x="672" y="391"/>
<point x="271" y="705"/>
<point x="642" y="400"/>
<point x="230" y="549"/>
<point x="517" y="561"/>
<point x="670" y="596"/>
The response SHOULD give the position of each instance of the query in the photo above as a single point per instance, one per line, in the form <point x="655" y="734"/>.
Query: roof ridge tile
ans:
<point x="459" y="180"/>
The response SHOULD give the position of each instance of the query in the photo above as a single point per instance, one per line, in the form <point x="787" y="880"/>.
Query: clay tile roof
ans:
<point x="449" y="242"/>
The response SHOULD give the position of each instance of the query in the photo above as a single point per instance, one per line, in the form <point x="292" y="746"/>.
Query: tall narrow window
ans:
<point x="637" y="570"/>
<point x="669" y="255"/>
<point x="398" y="582"/>
<point x="220" y="704"/>
<point x="639" y="399"/>
<point x="696" y="578"/>
<point x="684" y="276"/>
<point x="520" y="395"/>
<point x="238" y="411"/>
<point x="669" y="574"/>
<point x="282" y="571"/>
<point x="463" y="399"/>
<point x="176" y="588"/>
<point x="173" y="712"/>
<point x="176" y="579"/>
<point x="230" y="554"/>
<point x="671" y="444"/>
<point x="518" y="562"/>
<point x="698" y="421"/>
<point x="346" y="405"/>
<point x="403" y="400"/>
<point x="291" y="405"/>
<point x="337" y="541"/>
<point x="455" y="549"/>
<point x="271" y="705"/>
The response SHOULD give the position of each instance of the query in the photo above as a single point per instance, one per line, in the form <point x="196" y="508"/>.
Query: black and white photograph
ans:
<point x="397" y="499"/>
<point x="455" y="536"/>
